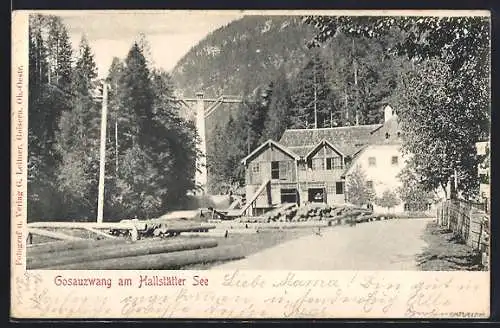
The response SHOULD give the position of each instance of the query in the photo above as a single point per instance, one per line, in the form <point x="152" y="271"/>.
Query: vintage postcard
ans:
<point x="250" y="164"/>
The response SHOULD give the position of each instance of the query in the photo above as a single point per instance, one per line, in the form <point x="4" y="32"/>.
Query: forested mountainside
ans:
<point x="242" y="55"/>
<point x="267" y="61"/>
<point x="359" y="65"/>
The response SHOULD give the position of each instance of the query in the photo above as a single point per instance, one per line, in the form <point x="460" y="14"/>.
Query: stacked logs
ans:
<point x="121" y="254"/>
<point x="316" y="212"/>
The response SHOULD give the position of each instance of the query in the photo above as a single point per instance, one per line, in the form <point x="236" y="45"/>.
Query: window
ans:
<point x="275" y="170"/>
<point x="318" y="164"/>
<point x="394" y="160"/>
<point x="387" y="135"/>
<point x="256" y="168"/>
<point x="333" y="163"/>
<point x="369" y="184"/>
<point x="348" y="160"/>
<point x="283" y="170"/>
<point x="289" y="196"/>
<point x="339" y="188"/>
<point x="372" y="161"/>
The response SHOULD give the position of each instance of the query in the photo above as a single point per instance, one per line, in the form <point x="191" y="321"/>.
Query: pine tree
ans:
<point x="252" y="115"/>
<point x="175" y="142"/>
<point x="216" y="159"/>
<point x="78" y="141"/>
<point x="157" y="148"/>
<point x="311" y="96"/>
<point x="278" y="114"/>
<point x="85" y="69"/>
<point x="137" y="97"/>
<point x="145" y="47"/>
<point x="37" y="83"/>
<point x="50" y="94"/>
<point x="362" y="78"/>
<point x="115" y="116"/>
<point x="133" y="185"/>
<point x="60" y="59"/>
<point x="38" y="184"/>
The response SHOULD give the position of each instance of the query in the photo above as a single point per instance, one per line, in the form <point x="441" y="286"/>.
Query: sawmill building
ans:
<point x="312" y="165"/>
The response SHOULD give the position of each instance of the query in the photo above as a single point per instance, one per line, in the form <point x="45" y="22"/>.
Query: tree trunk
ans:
<point x="445" y="192"/>
<point x="119" y="254"/>
<point x="315" y="101"/>
<point x="453" y="189"/>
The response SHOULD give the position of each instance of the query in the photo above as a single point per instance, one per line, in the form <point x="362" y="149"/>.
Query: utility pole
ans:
<point x="355" y="67"/>
<point x="202" y="113"/>
<point x="115" y="88"/>
<point x="315" y="101"/>
<point x="201" y="172"/>
<point x="102" y="155"/>
<point x="346" y="105"/>
<point x="116" y="146"/>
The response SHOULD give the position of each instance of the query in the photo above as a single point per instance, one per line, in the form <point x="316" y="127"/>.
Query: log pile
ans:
<point x="124" y="252"/>
<point x="165" y="254"/>
<point x="162" y="261"/>
<point x="316" y="212"/>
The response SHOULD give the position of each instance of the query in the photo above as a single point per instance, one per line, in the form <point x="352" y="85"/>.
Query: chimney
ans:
<point x="388" y="113"/>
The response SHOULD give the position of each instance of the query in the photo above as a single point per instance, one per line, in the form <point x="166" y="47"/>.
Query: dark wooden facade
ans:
<point x="314" y="177"/>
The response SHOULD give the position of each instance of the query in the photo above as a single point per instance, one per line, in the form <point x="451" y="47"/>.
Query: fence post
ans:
<point x="480" y="236"/>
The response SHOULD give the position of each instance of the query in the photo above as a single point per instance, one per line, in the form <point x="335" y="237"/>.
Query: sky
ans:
<point x="170" y="34"/>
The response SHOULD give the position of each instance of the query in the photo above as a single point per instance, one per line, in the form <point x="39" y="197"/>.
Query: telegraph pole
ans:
<point x="201" y="172"/>
<point x="315" y="101"/>
<point x="102" y="156"/>
<point x="202" y="113"/>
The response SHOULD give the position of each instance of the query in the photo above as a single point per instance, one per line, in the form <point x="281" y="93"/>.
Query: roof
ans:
<point x="270" y="143"/>
<point x="346" y="139"/>
<point x="387" y="133"/>
<point x="301" y="151"/>
<point x="321" y="144"/>
<point x="353" y="161"/>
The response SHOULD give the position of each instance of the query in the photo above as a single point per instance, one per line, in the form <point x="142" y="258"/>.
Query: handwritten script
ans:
<point x="241" y="294"/>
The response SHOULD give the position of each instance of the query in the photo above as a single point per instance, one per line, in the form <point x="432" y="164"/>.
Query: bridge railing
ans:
<point x="469" y="223"/>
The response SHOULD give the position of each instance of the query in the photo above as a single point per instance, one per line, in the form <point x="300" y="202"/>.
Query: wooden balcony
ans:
<point x="320" y="175"/>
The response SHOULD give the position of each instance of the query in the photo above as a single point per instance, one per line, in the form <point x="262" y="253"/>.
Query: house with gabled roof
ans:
<point x="312" y="165"/>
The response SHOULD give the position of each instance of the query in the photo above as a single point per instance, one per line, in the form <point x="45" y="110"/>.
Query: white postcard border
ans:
<point x="232" y="294"/>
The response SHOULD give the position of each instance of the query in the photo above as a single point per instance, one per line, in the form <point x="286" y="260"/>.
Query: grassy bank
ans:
<point x="444" y="252"/>
<point x="253" y="243"/>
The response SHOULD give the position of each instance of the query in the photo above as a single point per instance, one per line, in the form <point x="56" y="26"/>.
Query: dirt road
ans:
<point x="379" y="245"/>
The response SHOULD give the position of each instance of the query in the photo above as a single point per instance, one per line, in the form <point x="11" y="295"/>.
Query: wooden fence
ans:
<point x="469" y="223"/>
